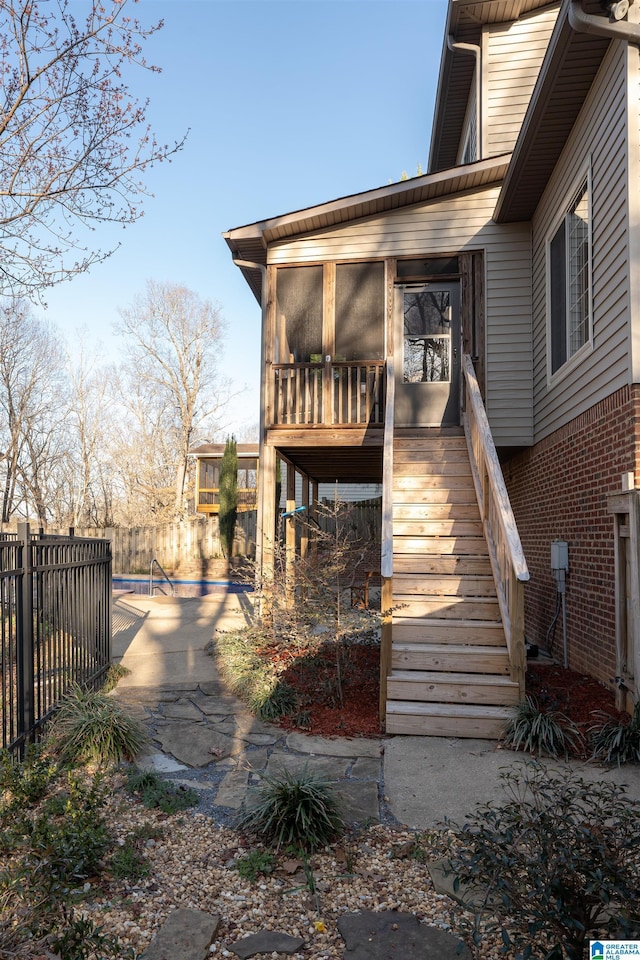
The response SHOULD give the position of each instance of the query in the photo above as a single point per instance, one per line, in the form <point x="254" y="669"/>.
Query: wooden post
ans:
<point x="266" y="527"/>
<point x="290" y="538"/>
<point x="304" y="537"/>
<point x="386" y="605"/>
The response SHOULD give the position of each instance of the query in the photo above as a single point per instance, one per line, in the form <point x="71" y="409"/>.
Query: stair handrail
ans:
<point x="386" y="568"/>
<point x="156" y="563"/>
<point x="505" y="549"/>
<point x="386" y="559"/>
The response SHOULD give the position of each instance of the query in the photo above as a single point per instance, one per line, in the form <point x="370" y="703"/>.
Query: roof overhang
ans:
<point x="465" y="22"/>
<point x="249" y="244"/>
<point x="566" y="76"/>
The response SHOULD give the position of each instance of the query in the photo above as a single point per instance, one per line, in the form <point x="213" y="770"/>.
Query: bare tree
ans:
<point x="74" y="141"/>
<point x="33" y="409"/>
<point x="174" y="388"/>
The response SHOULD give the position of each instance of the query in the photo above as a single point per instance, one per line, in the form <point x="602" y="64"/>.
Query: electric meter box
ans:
<point x="559" y="555"/>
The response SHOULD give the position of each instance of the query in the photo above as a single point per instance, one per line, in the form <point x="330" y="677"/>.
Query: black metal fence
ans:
<point x="55" y="624"/>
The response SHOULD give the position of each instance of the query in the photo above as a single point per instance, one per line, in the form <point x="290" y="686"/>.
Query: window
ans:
<point x="427" y="336"/>
<point x="569" y="272"/>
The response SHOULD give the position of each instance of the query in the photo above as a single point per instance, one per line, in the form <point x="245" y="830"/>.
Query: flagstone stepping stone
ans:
<point x="182" y="710"/>
<point x="268" y="941"/>
<point x="186" y="933"/>
<point x="343" y="747"/>
<point x="389" y="935"/>
<point x="196" y="744"/>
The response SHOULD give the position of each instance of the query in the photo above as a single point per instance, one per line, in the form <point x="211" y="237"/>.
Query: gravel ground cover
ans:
<point x="192" y="863"/>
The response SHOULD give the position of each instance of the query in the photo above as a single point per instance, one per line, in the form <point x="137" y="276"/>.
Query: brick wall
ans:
<point x="558" y="490"/>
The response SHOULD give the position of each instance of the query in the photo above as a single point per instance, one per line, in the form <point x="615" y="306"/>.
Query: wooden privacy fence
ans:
<point x="188" y="547"/>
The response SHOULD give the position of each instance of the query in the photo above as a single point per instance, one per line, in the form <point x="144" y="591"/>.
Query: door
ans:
<point x="428" y="332"/>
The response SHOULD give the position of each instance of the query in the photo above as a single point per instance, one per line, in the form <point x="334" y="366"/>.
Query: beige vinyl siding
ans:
<point x="599" y="133"/>
<point x="449" y="226"/>
<point x="633" y="199"/>
<point x="513" y="54"/>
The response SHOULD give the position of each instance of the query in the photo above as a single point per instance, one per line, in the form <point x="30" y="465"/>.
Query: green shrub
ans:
<point x="91" y="727"/>
<point x="541" y="733"/>
<point x="69" y="836"/>
<point x="299" y="811"/>
<point x="614" y="741"/>
<point x="557" y="861"/>
<point x="114" y="674"/>
<point x="255" y="863"/>
<point x="160" y="794"/>
<point x="24" y="784"/>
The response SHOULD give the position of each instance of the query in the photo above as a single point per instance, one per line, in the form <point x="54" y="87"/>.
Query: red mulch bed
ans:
<point x="581" y="699"/>
<point x="314" y="678"/>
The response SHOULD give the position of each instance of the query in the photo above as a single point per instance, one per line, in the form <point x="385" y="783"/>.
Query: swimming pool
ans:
<point x="183" y="588"/>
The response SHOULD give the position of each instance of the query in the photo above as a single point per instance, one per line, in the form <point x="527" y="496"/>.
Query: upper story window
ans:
<point x="569" y="280"/>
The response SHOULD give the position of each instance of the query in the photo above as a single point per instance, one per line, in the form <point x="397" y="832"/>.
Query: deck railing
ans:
<point x="336" y="392"/>
<point x="507" y="557"/>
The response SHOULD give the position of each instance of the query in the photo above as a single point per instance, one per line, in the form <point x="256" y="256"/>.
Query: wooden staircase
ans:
<point x="450" y="671"/>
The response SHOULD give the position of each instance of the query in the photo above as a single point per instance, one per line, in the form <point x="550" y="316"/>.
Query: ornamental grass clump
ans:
<point x="541" y="732"/>
<point x="91" y="727"/>
<point x="299" y="811"/>
<point x="616" y="741"/>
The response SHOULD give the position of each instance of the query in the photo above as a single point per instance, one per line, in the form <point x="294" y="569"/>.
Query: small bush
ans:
<point x="557" y="861"/>
<point x="91" y="727"/>
<point x="127" y="862"/>
<point x="541" y="732"/>
<point x="254" y="864"/>
<point x="24" y="784"/>
<point x="294" y="811"/>
<point x="157" y="793"/>
<point x="115" y="673"/>
<point x="614" y="741"/>
<point x="69" y="836"/>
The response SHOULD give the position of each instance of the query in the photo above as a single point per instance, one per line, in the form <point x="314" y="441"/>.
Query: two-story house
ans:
<point x="472" y="332"/>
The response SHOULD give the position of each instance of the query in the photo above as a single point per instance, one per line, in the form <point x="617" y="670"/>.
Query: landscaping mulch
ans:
<point x="583" y="700"/>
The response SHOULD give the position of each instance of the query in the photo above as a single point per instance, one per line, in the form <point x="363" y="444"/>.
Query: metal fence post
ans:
<point x="24" y="636"/>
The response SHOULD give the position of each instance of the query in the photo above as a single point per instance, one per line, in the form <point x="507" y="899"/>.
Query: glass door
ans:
<point x="428" y="379"/>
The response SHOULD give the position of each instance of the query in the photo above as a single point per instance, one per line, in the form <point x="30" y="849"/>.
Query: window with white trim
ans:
<point x="569" y="275"/>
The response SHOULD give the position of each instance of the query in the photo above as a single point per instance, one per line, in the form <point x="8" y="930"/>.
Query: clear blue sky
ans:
<point x="290" y="103"/>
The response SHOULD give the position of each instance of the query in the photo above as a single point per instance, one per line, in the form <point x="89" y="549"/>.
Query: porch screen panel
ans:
<point x="299" y="325"/>
<point x="360" y="311"/>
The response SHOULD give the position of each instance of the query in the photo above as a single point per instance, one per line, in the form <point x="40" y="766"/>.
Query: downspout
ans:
<point x="263" y="305"/>
<point x="581" y="22"/>
<point x="475" y="50"/>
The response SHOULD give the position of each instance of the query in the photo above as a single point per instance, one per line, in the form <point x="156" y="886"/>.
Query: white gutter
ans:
<point x="475" y="50"/>
<point x="581" y="22"/>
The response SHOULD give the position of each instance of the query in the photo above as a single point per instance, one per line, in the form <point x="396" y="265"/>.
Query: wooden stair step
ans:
<point x="430" y="630"/>
<point x="446" y="720"/>
<point x="459" y="658"/>
<point x="433" y="468"/>
<point x="464" y="546"/>
<point x="419" y="453"/>
<point x="437" y="528"/>
<point x="437" y="490"/>
<point x="435" y="585"/>
<point x="435" y="511"/>
<point x="432" y="687"/>
<point x="435" y="564"/>
<point x="445" y="608"/>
